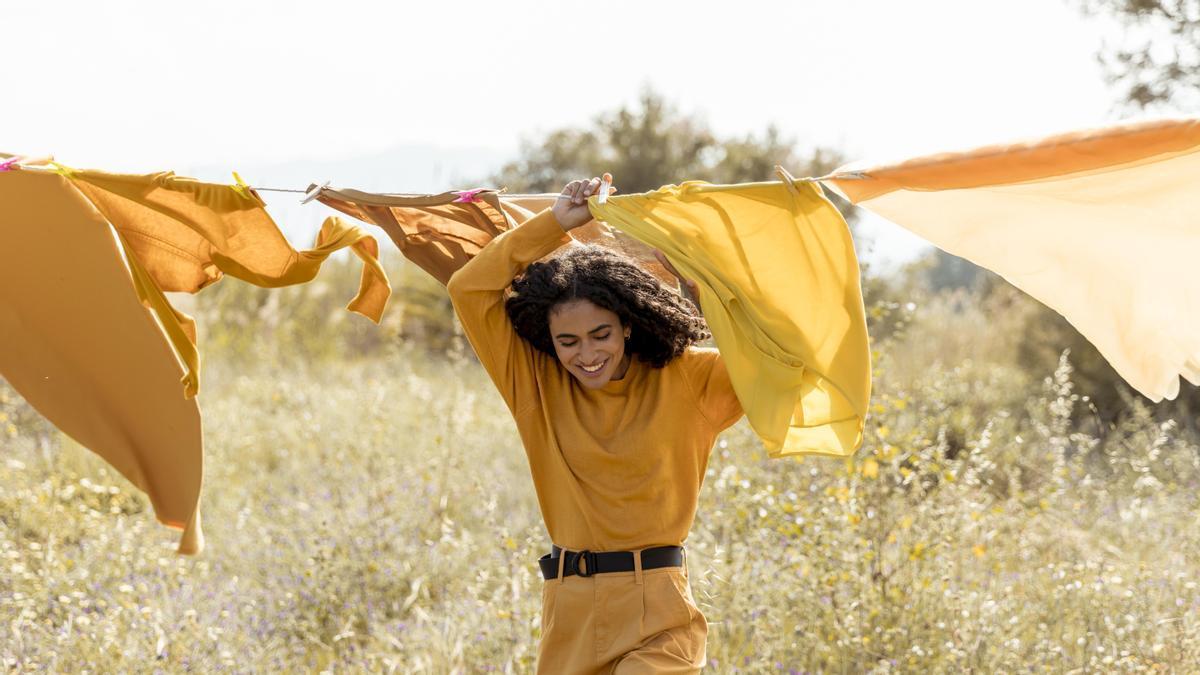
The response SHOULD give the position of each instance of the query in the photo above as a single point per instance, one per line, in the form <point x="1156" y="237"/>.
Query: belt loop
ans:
<point x="637" y="566"/>
<point x="562" y="557"/>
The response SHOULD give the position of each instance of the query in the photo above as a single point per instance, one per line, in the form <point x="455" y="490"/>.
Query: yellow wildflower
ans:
<point x="870" y="469"/>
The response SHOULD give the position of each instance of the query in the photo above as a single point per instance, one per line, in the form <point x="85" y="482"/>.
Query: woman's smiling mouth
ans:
<point x="593" y="370"/>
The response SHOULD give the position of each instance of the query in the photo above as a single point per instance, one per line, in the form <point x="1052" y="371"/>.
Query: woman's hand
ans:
<point x="690" y="290"/>
<point x="571" y="207"/>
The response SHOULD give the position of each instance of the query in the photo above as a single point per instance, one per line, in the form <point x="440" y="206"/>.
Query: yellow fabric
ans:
<point x="440" y="234"/>
<point x="618" y="468"/>
<point x="612" y="623"/>
<point x="80" y="348"/>
<point x="183" y="235"/>
<point x="1099" y="225"/>
<point x="779" y="285"/>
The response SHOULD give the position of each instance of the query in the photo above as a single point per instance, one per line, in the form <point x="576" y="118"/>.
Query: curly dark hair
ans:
<point x="663" y="324"/>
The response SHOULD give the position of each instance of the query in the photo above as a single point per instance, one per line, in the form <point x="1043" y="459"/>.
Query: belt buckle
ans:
<point x="588" y="557"/>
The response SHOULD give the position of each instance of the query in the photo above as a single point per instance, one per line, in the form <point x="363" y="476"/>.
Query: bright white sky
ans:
<point x="143" y="86"/>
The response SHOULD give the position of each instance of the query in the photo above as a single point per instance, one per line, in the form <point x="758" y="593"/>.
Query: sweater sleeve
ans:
<point x="709" y="380"/>
<point x="477" y="291"/>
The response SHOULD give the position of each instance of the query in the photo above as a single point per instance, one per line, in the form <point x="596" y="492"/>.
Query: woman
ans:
<point x="618" y="412"/>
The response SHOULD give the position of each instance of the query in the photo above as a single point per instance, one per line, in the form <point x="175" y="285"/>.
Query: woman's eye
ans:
<point x="603" y="337"/>
<point x="566" y="344"/>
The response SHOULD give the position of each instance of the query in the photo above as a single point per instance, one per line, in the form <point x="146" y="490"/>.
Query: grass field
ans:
<point x="375" y="513"/>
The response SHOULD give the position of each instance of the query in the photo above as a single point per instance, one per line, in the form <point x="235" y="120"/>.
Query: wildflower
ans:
<point x="870" y="469"/>
<point x="918" y="550"/>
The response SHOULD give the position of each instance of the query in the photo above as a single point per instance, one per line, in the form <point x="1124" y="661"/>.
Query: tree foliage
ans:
<point x="652" y="144"/>
<point x="1157" y="61"/>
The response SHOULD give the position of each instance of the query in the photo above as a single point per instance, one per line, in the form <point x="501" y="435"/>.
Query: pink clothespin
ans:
<point x="605" y="188"/>
<point x="468" y="196"/>
<point x="13" y="163"/>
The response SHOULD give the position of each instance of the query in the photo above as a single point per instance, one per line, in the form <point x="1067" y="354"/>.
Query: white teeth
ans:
<point x="594" y="369"/>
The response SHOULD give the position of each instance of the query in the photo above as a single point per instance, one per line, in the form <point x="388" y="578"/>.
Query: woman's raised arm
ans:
<point x="477" y="291"/>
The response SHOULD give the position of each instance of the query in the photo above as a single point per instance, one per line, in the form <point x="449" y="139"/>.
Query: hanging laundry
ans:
<point x="184" y="235"/>
<point x="779" y="285"/>
<point x="78" y="345"/>
<point x="144" y="235"/>
<point x="441" y="232"/>
<point x="1102" y="226"/>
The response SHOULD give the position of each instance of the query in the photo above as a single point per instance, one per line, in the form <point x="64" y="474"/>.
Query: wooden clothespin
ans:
<point x="787" y="179"/>
<point x="605" y="188"/>
<point x="313" y="192"/>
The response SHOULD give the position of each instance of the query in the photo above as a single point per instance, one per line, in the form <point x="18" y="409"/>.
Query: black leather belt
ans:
<point x="587" y="563"/>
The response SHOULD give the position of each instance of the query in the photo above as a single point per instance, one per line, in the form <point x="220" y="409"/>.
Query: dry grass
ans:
<point x="376" y="514"/>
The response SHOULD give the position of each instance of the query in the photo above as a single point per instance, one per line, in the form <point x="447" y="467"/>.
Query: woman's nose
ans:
<point x="588" y="352"/>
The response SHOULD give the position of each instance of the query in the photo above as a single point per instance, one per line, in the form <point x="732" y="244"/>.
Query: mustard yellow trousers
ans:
<point x="621" y="623"/>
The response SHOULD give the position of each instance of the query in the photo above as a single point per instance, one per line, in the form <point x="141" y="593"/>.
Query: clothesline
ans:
<point x="267" y="189"/>
<point x="11" y="162"/>
<point x="850" y="175"/>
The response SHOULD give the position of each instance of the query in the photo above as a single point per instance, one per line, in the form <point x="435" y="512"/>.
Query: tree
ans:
<point x="1155" y="64"/>
<point x="1158" y="61"/>
<point x="653" y="144"/>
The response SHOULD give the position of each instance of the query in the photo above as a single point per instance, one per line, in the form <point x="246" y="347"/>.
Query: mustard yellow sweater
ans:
<point x="617" y="468"/>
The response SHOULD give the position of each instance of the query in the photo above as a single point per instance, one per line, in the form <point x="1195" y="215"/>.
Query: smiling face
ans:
<point x="589" y="341"/>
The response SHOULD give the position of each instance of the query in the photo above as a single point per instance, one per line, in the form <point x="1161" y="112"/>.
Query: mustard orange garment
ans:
<point x="618" y="468"/>
<point x="1101" y="225"/>
<point x="622" y="622"/>
<point x="78" y="345"/>
<point x="779" y="286"/>
<point x="99" y="379"/>
<point x="441" y="232"/>
<point x="184" y="235"/>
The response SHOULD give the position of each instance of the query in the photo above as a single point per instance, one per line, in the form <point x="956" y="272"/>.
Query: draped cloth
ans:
<point x="779" y="285"/>
<point x="78" y="345"/>
<point x="441" y="232"/>
<point x="184" y="235"/>
<point x="1102" y="226"/>
<point x="83" y="315"/>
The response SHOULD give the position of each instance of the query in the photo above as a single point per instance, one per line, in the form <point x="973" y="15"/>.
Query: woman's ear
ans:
<point x="628" y="330"/>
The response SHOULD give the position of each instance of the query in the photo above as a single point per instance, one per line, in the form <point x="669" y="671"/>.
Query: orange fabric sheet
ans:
<point x="1102" y="226"/>
<point x="186" y="234"/>
<point x="79" y="346"/>
<point x="87" y="254"/>
<point x="440" y="234"/>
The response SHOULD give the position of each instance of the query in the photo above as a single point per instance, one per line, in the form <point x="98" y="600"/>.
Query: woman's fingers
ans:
<point x="578" y="191"/>
<point x="688" y="283"/>
<point x="586" y="188"/>
<point x="662" y="258"/>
